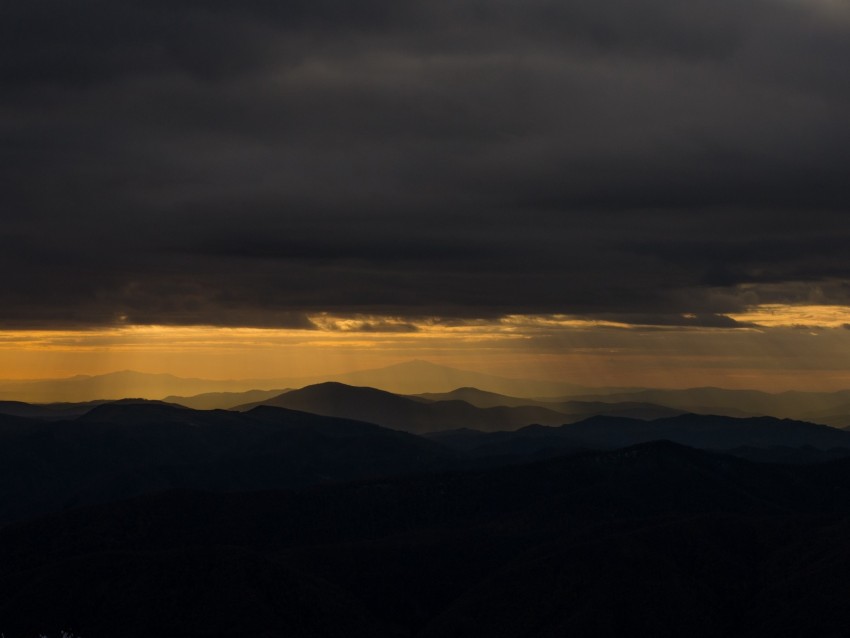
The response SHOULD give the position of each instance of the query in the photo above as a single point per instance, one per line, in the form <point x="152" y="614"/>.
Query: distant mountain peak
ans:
<point x="337" y="386"/>
<point x="136" y="409"/>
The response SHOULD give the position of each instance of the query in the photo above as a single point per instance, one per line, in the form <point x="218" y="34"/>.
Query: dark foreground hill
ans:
<point x="653" y="540"/>
<point x="123" y="449"/>
<point x="767" y="438"/>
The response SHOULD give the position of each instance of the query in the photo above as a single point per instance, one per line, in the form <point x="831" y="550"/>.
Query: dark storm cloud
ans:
<point x="250" y="163"/>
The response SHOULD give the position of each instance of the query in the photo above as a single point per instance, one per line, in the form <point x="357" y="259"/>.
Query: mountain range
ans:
<point x="831" y="406"/>
<point x="404" y="413"/>
<point x="738" y="436"/>
<point x="119" y="385"/>
<point x="407" y="378"/>
<point x="431" y="382"/>
<point x="122" y="449"/>
<point x="125" y="448"/>
<point x="486" y="411"/>
<point x="335" y="510"/>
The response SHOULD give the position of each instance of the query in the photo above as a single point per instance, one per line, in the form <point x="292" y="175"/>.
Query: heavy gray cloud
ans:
<point x="247" y="163"/>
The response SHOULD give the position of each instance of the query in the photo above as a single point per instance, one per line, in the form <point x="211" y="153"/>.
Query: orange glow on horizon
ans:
<point x="802" y="347"/>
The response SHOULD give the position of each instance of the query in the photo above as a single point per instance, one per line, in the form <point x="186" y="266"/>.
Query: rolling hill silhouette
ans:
<point x="47" y="411"/>
<point x="121" y="449"/>
<point x="405" y="413"/>
<point x="575" y="409"/>
<point x="114" y="385"/>
<point x="416" y="376"/>
<point x="408" y="377"/>
<point x="223" y="400"/>
<point x="478" y="398"/>
<point x="695" y="430"/>
<point x="792" y="404"/>
<point x="140" y="518"/>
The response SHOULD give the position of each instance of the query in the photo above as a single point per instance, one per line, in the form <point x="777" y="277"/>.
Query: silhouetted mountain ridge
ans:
<point x="404" y="413"/>
<point x="223" y="400"/>
<point x="135" y="411"/>
<point x="121" y="449"/>
<point x="790" y="404"/>
<point x="406" y="377"/>
<point x="605" y="432"/>
<point x="572" y="409"/>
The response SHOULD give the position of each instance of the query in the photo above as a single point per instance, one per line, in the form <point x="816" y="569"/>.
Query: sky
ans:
<point x="605" y="191"/>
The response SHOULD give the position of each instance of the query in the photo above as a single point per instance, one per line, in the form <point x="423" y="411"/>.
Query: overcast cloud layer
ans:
<point x="245" y="163"/>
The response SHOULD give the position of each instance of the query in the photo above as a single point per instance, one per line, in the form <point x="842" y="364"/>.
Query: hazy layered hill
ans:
<point x="418" y="376"/>
<point x="795" y="405"/>
<point x="478" y="398"/>
<point x="836" y="416"/>
<point x="67" y="411"/>
<point x="125" y="448"/>
<point x="434" y="382"/>
<point x="407" y="378"/>
<point x="581" y="409"/>
<point x="54" y="411"/>
<point x="653" y="540"/>
<point x="572" y="410"/>
<point x="118" y="385"/>
<point x="224" y="400"/>
<point x="404" y="413"/>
